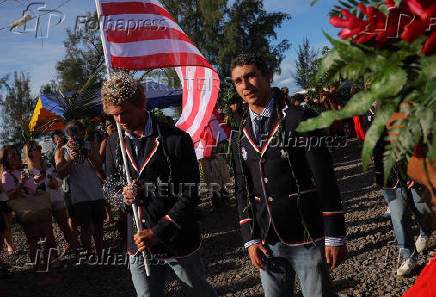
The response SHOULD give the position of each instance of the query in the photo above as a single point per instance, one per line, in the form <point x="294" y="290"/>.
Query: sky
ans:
<point x="36" y="54"/>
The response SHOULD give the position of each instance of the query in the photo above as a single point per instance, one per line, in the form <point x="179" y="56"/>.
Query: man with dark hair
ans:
<point x="289" y="204"/>
<point x="162" y="162"/>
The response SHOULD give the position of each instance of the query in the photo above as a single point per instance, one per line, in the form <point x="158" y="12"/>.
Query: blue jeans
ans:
<point x="401" y="217"/>
<point x="188" y="269"/>
<point x="307" y="261"/>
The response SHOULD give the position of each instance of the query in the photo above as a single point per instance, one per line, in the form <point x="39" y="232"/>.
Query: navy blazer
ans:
<point x="269" y="178"/>
<point x="167" y="209"/>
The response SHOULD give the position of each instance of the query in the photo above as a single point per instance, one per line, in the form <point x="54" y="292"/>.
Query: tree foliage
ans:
<point x="250" y="28"/>
<point x="17" y="105"/>
<point x="222" y="32"/>
<point x="306" y="65"/>
<point x="83" y="58"/>
<point x="202" y="21"/>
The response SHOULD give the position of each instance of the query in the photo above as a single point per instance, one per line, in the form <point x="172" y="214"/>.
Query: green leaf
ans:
<point x="347" y="50"/>
<point x="429" y="66"/>
<point x="425" y="118"/>
<point x="347" y="5"/>
<point x="388" y="86"/>
<point x="378" y="125"/>
<point x="432" y="151"/>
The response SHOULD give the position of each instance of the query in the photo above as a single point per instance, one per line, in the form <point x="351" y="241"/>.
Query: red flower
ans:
<point x="426" y="11"/>
<point x="351" y="24"/>
<point x="412" y="21"/>
<point x="429" y="47"/>
<point x="422" y="8"/>
<point x="376" y="25"/>
<point x="390" y="4"/>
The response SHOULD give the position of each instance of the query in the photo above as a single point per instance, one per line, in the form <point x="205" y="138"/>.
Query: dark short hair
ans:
<point x="56" y="132"/>
<point x="73" y="128"/>
<point x="109" y="121"/>
<point x="297" y="97"/>
<point x="249" y="59"/>
<point x="235" y="99"/>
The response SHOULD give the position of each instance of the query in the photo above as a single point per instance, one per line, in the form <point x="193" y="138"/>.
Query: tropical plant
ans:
<point x="400" y="63"/>
<point x="16" y="106"/>
<point x="306" y="65"/>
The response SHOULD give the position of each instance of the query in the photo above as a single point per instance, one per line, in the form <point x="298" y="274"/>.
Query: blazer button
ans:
<point x="262" y="160"/>
<point x="265" y="179"/>
<point x="143" y="221"/>
<point x="270" y="199"/>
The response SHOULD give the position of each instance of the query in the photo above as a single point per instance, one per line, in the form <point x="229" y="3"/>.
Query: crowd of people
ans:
<point x="289" y="205"/>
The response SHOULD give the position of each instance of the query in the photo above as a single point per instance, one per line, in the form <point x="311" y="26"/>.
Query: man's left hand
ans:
<point x="145" y="239"/>
<point x="337" y="254"/>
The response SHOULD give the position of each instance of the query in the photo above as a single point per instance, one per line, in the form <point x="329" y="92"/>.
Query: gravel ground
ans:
<point x="368" y="271"/>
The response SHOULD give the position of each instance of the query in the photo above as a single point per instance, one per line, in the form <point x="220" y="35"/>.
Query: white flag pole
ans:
<point x="122" y="144"/>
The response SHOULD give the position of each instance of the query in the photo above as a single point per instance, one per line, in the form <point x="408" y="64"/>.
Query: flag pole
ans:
<point x="122" y="144"/>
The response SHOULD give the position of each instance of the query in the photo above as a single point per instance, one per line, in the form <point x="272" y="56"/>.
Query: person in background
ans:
<point x="79" y="162"/>
<point x="58" y="140"/>
<point x="3" y="228"/>
<point x="19" y="184"/>
<point x="111" y="129"/>
<point x="7" y="215"/>
<point x="233" y="120"/>
<point x="46" y="179"/>
<point x="403" y="201"/>
<point x="297" y="99"/>
<point x="285" y="92"/>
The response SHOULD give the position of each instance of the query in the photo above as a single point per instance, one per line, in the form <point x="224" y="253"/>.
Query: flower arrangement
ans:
<point x="391" y="44"/>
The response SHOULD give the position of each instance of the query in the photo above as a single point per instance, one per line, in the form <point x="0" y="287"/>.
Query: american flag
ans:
<point x="139" y="35"/>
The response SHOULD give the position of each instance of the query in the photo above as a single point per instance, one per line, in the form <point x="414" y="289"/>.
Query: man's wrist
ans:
<point x="252" y="242"/>
<point x="335" y="241"/>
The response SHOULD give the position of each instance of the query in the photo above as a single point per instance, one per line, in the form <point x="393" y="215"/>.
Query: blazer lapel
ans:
<point x="151" y="146"/>
<point x="248" y="133"/>
<point x="131" y="153"/>
<point x="273" y="124"/>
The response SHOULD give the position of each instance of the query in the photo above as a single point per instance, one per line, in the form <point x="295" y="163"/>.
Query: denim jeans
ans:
<point x="399" y="204"/>
<point x="305" y="261"/>
<point x="188" y="269"/>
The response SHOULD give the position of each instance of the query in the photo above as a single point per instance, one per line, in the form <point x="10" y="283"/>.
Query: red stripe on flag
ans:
<point x="145" y="33"/>
<point x="199" y="72"/>
<point x="214" y="83"/>
<point x="117" y="8"/>
<point x="158" y="61"/>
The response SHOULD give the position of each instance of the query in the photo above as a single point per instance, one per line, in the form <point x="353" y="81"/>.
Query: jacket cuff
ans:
<point x="165" y="228"/>
<point x="334" y="223"/>
<point x="335" y="241"/>
<point x="252" y="242"/>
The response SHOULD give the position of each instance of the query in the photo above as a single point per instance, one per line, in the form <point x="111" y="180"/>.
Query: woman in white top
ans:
<point x="47" y="180"/>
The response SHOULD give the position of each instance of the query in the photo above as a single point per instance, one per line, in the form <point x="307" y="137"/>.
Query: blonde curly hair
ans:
<point x="122" y="88"/>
